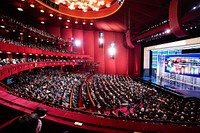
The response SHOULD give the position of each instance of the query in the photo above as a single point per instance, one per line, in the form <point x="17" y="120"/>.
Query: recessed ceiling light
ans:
<point x="60" y="18"/>
<point x="22" y="0"/>
<point x="42" y="22"/>
<point x="76" y="22"/>
<point x="42" y="11"/>
<point x="91" y="23"/>
<point x="21" y="33"/>
<point x="84" y="23"/>
<point x="108" y="5"/>
<point x="31" y="5"/>
<point x="68" y="20"/>
<point x="20" y="9"/>
<point x="167" y="31"/>
<point x="2" y="26"/>
<point x="66" y="26"/>
<point x="194" y="8"/>
<point x="51" y="15"/>
<point x="29" y="36"/>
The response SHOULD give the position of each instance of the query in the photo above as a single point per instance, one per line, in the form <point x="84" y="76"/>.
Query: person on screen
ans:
<point x="170" y="65"/>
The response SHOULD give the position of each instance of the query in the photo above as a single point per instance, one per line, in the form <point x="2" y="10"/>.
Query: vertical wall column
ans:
<point x="67" y="35"/>
<point x="99" y="53"/>
<point x="78" y="35"/>
<point x="137" y="59"/>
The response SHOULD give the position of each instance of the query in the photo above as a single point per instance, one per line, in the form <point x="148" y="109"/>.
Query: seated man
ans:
<point x="28" y="123"/>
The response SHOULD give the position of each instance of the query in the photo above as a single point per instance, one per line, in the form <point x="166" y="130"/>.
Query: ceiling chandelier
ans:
<point x="85" y="5"/>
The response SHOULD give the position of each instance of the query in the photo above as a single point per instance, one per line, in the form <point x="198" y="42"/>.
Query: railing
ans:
<point x="98" y="122"/>
<point x="8" y="70"/>
<point x="167" y="122"/>
<point x="5" y="47"/>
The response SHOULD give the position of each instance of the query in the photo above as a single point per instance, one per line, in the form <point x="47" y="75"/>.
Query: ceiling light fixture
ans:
<point x="76" y="22"/>
<point x="51" y="15"/>
<point x="20" y="9"/>
<point x="31" y="5"/>
<point x="60" y="18"/>
<point x="42" y="22"/>
<point x="68" y="20"/>
<point x="66" y="26"/>
<point x="42" y="11"/>
<point x="2" y="26"/>
<point x="84" y="5"/>
<point x="91" y="23"/>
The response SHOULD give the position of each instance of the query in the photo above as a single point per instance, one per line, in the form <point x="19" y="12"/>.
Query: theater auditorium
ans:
<point x="100" y="66"/>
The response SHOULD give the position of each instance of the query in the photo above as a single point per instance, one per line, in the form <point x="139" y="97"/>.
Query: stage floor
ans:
<point x="184" y="89"/>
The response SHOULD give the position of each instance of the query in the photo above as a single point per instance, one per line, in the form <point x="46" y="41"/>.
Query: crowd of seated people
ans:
<point x="122" y="97"/>
<point x="50" y="86"/>
<point x="42" y="46"/>
<point x="7" y="61"/>
<point x="19" y="25"/>
<point x="117" y="96"/>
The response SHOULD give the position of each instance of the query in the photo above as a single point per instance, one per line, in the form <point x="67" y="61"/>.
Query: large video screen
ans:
<point x="185" y="64"/>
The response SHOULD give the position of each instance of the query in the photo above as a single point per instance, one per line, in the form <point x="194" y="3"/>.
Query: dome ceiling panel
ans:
<point x="141" y="14"/>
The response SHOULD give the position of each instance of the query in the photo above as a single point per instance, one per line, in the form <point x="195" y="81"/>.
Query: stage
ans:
<point x="181" y="88"/>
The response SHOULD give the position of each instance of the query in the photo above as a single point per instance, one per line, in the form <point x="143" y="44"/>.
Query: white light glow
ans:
<point x="42" y="11"/>
<point x="51" y="15"/>
<point x="2" y="26"/>
<point x="20" y="9"/>
<point x="167" y="31"/>
<point x="83" y="5"/>
<point x="112" y="51"/>
<point x="112" y="44"/>
<point x="101" y="40"/>
<point x="31" y="5"/>
<point x="78" y="43"/>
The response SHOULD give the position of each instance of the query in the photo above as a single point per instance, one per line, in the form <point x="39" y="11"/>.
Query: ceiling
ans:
<point x="136" y="15"/>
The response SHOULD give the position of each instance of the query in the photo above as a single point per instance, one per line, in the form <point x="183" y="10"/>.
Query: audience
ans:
<point x="133" y="99"/>
<point x="117" y="96"/>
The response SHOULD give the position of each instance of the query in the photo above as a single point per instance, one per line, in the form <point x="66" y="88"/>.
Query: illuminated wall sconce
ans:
<point x="101" y="39"/>
<point x="112" y="50"/>
<point x="77" y="43"/>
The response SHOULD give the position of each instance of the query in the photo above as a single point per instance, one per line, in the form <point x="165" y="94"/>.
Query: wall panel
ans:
<point x="109" y="37"/>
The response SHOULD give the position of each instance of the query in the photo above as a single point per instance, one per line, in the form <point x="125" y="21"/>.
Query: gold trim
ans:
<point x="45" y="5"/>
